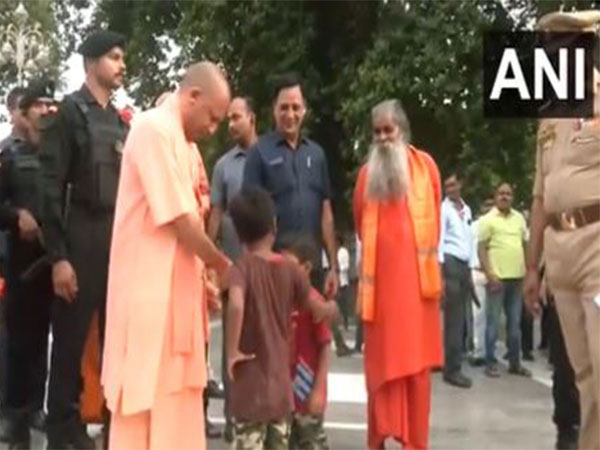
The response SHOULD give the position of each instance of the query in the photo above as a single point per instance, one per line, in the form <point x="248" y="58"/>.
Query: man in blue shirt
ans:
<point x="455" y="252"/>
<point x="293" y="169"/>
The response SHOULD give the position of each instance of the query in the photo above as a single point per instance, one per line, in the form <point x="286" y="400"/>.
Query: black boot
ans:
<point x="37" y="420"/>
<point x="71" y="434"/>
<point x="6" y="428"/>
<point x="567" y="439"/>
<point x="341" y="349"/>
<point x="228" y="433"/>
<point x="19" y="434"/>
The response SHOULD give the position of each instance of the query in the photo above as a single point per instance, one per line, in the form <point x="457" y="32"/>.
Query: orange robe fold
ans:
<point x="403" y="340"/>
<point x="92" y="399"/>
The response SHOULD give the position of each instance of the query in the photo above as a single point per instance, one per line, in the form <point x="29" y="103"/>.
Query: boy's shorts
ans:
<point x="308" y="433"/>
<point x="262" y="435"/>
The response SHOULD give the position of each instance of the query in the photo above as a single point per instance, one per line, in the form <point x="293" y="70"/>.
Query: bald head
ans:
<point x="206" y="76"/>
<point x="204" y="98"/>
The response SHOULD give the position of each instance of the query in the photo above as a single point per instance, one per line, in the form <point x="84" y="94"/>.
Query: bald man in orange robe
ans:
<point x="154" y="365"/>
<point x="396" y="211"/>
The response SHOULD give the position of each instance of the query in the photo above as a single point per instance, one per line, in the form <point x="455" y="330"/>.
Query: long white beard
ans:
<point x="389" y="176"/>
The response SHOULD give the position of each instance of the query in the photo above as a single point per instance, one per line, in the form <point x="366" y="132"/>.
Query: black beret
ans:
<point x="37" y="90"/>
<point x="100" y="42"/>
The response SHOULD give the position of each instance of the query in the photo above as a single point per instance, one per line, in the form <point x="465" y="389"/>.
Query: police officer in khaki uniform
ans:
<point x="80" y="154"/>
<point x="565" y="223"/>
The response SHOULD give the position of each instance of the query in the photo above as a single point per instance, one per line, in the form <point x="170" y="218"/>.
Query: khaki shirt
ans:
<point x="567" y="172"/>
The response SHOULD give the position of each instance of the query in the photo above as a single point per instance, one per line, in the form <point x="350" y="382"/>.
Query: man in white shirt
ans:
<point x="479" y="282"/>
<point x="455" y="252"/>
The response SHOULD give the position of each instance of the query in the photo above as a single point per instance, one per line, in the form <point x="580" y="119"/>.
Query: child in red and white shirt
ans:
<point x="310" y="357"/>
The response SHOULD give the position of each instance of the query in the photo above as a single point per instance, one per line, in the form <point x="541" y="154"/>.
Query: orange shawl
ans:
<point x="422" y="207"/>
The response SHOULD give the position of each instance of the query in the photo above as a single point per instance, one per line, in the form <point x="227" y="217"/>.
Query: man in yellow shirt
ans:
<point x="502" y="240"/>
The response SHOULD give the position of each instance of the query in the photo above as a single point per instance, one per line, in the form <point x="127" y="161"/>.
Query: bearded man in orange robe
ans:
<point x="397" y="215"/>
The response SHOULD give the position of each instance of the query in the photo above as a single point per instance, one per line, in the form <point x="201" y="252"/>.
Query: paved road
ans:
<point x="504" y="413"/>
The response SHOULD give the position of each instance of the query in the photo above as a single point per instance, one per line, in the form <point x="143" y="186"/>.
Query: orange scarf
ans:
<point x="422" y="207"/>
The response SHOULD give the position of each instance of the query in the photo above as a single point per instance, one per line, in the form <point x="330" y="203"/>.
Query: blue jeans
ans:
<point x="510" y="296"/>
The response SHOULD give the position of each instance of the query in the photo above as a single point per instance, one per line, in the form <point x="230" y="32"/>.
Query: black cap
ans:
<point x="37" y="90"/>
<point x="100" y="42"/>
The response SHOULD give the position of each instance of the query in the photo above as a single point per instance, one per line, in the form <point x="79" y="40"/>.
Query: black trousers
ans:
<point x="526" y="331"/>
<point x="27" y="311"/>
<point x="457" y="292"/>
<point x="359" y="338"/>
<point x="564" y="391"/>
<point x="3" y="352"/>
<point x="343" y="302"/>
<point x="89" y="238"/>
<point x="224" y="375"/>
<point x="3" y="343"/>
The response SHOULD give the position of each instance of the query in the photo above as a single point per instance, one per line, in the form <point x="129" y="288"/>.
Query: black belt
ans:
<point x="455" y="258"/>
<point x="575" y="218"/>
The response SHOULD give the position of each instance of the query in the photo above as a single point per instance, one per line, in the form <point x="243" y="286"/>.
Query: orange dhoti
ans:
<point x="401" y="325"/>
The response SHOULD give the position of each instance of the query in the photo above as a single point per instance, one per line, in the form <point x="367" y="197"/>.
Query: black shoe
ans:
<point x="6" y="428"/>
<point x="492" y="371"/>
<point x="528" y="357"/>
<point x="477" y="362"/>
<point x="21" y="436"/>
<point x="69" y="435"/>
<point x="212" y="432"/>
<point x="214" y="390"/>
<point x="343" y="350"/>
<point x="37" y="420"/>
<point x="520" y="371"/>
<point x="20" y="445"/>
<point x="458" y="379"/>
<point x="567" y="439"/>
<point x="228" y="433"/>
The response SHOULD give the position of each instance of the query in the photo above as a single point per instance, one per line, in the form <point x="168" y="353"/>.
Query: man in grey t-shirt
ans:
<point x="228" y="175"/>
<point x="227" y="179"/>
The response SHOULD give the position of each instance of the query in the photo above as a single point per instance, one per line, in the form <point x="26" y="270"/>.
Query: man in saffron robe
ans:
<point x="396" y="211"/>
<point x="154" y="367"/>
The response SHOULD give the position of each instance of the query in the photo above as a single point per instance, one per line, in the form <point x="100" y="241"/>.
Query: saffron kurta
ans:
<point x="404" y="340"/>
<point x="155" y="318"/>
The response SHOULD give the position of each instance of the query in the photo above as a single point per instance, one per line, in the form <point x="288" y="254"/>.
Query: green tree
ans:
<point x="351" y="55"/>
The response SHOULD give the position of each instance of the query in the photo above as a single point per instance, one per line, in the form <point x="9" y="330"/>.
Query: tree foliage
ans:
<point x="351" y="55"/>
